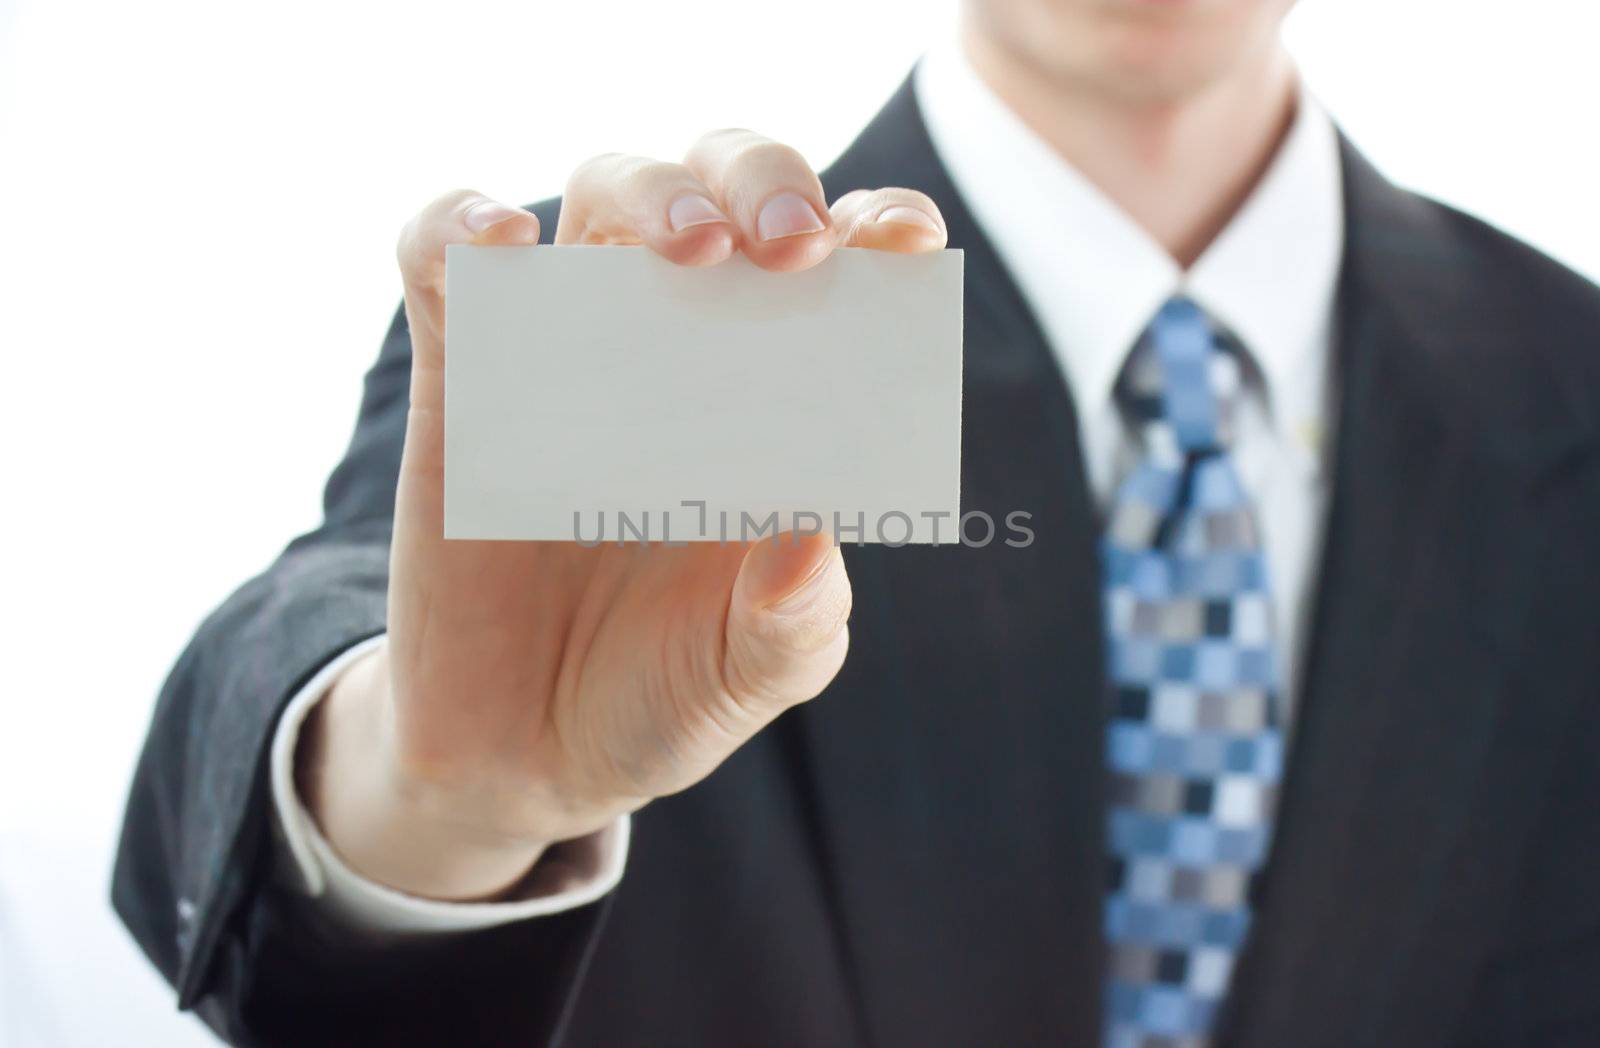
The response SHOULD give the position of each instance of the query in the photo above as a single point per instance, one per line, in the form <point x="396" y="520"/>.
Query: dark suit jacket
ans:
<point x="916" y="857"/>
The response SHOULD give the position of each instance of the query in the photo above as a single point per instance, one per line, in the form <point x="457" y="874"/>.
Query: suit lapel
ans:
<point x="956" y="763"/>
<point x="1397" y="829"/>
<point x="956" y="766"/>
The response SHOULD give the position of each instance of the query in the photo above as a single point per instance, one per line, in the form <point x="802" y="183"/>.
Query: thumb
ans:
<point x="786" y="634"/>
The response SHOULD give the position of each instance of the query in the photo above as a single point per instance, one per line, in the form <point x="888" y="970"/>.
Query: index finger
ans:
<point x="461" y="217"/>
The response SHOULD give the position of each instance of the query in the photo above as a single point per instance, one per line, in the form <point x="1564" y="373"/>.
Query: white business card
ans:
<point x="604" y="394"/>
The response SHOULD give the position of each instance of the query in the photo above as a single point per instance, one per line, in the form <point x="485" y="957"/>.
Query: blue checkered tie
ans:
<point x="1193" y="742"/>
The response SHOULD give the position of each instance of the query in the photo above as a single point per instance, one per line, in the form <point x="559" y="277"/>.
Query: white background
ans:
<point x="198" y="203"/>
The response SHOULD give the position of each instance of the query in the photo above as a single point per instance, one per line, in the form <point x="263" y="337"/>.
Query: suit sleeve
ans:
<point x="192" y="879"/>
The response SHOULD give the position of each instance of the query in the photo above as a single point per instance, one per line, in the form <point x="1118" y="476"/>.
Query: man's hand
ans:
<point x="530" y="693"/>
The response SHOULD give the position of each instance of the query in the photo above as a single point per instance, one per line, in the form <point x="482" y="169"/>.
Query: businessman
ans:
<point x="1283" y="731"/>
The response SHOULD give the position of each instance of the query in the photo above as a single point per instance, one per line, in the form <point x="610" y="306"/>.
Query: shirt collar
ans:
<point x="1272" y="274"/>
<point x="1094" y="278"/>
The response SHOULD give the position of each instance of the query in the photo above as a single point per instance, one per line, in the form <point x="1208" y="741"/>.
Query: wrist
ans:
<point x="384" y="827"/>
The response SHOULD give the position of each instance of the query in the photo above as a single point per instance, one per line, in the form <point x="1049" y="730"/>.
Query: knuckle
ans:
<point x="803" y="635"/>
<point x="595" y="169"/>
<point x="852" y="199"/>
<point x="763" y="683"/>
<point x="912" y="197"/>
<point x="448" y="206"/>
<point x="765" y="154"/>
<point x="405" y="245"/>
<point x="447" y="202"/>
<point x="411" y="247"/>
<point x="419" y="240"/>
<point x="612" y="176"/>
<point x="645" y="173"/>
<point x="754" y="683"/>
<point x="733" y="153"/>
<point x="880" y="199"/>
<point x="720" y="138"/>
<point x="815" y="631"/>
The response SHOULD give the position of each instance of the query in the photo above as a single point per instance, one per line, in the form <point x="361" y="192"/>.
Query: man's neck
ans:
<point x="1180" y="167"/>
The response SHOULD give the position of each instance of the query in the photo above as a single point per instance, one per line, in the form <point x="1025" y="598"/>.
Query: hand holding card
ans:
<point x="530" y="692"/>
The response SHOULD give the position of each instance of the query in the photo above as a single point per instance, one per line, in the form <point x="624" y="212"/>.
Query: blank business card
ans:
<point x="605" y="394"/>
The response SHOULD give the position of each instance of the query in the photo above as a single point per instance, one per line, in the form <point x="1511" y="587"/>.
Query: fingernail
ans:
<point x="693" y="210"/>
<point x="486" y="213"/>
<point x="787" y="215"/>
<point x="804" y="595"/>
<point x="907" y="216"/>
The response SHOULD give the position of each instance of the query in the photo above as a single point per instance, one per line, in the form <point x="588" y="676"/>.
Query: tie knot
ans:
<point x="1182" y="380"/>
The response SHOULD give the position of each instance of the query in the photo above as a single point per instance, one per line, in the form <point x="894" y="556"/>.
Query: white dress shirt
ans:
<point x="1094" y="280"/>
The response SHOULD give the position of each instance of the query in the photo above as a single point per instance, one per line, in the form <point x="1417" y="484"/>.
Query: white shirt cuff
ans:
<point x="308" y="862"/>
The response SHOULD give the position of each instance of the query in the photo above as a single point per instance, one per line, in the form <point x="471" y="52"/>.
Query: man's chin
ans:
<point x="1147" y="78"/>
